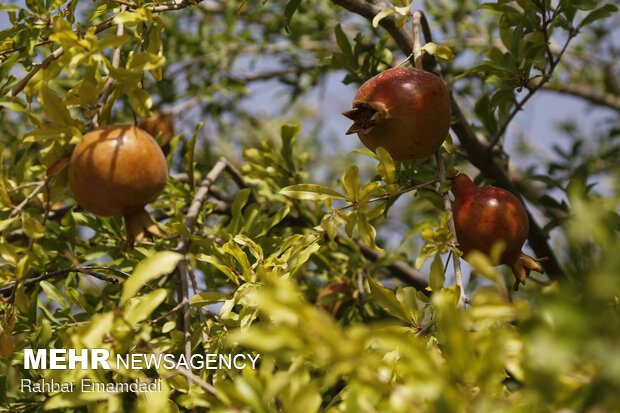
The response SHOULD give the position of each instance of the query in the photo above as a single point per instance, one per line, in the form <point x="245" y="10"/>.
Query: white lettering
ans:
<point x="120" y="361"/>
<point x="25" y="383"/>
<point x="198" y="366"/>
<point x="99" y="356"/>
<point x="55" y="359"/>
<point x="182" y="362"/>
<point x="226" y="359"/>
<point x="82" y="358"/>
<point x="253" y="360"/>
<point x="32" y="362"/>
<point x="235" y="361"/>
<point x="135" y="360"/>
<point x="169" y="361"/>
<point x="152" y="360"/>
<point x="211" y="359"/>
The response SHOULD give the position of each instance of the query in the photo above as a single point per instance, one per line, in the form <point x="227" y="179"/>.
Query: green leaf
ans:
<point x="52" y="292"/>
<point x="162" y="262"/>
<point x="482" y="265"/>
<point x="367" y="232"/>
<point x="111" y="41"/>
<point x="344" y="45"/>
<point x="236" y="220"/>
<point x="217" y="263"/>
<point x="54" y="108"/>
<point x="140" y="101"/>
<point x="74" y="399"/>
<point x="386" y="166"/>
<point x="140" y="308"/>
<point x="14" y="104"/>
<point x="208" y="297"/>
<point x="387" y="300"/>
<point x="437" y="278"/>
<point x="288" y="132"/>
<point x="233" y="249"/>
<point x="189" y="157"/>
<point x="600" y="13"/>
<point x="9" y="7"/>
<point x="32" y="228"/>
<point x="129" y="18"/>
<point x="289" y="10"/>
<point x="381" y="15"/>
<point x="351" y="183"/>
<point x="442" y="53"/>
<point x="445" y="187"/>
<point x="311" y="192"/>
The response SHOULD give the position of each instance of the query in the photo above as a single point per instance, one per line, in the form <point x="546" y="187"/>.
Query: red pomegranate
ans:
<point x="404" y="110"/>
<point x="117" y="170"/>
<point x="485" y="215"/>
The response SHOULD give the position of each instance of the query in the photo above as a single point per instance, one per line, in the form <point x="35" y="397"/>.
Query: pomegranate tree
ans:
<point x="486" y="215"/>
<point x="404" y="110"/>
<point x="117" y="170"/>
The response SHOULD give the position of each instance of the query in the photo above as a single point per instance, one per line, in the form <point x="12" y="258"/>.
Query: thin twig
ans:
<point x="161" y="317"/>
<point x="192" y="278"/>
<point x="539" y="84"/>
<point x="183" y="246"/>
<point x="441" y="168"/>
<point x="18" y="209"/>
<point x="116" y="60"/>
<point x="388" y="196"/>
<point x="59" y="273"/>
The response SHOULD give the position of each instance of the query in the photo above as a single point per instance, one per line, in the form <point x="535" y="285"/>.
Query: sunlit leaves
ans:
<point x="442" y="53"/>
<point x="311" y="192"/>
<point x="149" y="269"/>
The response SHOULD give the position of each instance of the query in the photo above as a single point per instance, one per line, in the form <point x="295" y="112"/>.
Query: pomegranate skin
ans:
<point x="404" y="110"/>
<point x="117" y="170"/>
<point x="486" y="215"/>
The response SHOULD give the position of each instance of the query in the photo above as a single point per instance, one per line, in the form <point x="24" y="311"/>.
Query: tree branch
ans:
<point x="585" y="92"/>
<point x="63" y="272"/>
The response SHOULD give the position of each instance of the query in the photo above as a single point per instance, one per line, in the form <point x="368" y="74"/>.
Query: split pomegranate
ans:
<point x="486" y="215"/>
<point x="117" y="170"/>
<point x="404" y="110"/>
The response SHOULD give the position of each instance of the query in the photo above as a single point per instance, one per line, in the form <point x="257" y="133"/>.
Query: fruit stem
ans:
<point x="447" y="204"/>
<point x="441" y="168"/>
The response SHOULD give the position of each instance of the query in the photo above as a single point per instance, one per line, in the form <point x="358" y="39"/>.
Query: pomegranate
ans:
<point x="117" y="170"/>
<point x="485" y="215"/>
<point x="404" y="110"/>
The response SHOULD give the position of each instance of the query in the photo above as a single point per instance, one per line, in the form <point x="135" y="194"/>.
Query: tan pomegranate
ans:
<point x="117" y="170"/>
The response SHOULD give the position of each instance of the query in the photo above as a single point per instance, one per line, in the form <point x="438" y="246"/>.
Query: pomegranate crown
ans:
<point x="461" y="184"/>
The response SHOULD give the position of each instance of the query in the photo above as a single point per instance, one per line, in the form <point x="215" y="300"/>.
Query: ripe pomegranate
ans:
<point x="117" y="170"/>
<point x="404" y="110"/>
<point x="485" y="215"/>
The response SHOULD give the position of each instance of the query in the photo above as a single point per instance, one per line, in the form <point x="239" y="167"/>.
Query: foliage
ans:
<point x="284" y="216"/>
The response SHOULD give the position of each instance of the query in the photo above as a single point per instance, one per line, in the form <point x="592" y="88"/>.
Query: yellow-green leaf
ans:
<point x="148" y="269"/>
<point x="442" y="53"/>
<point x="381" y="15"/>
<point x="311" y="192"/>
